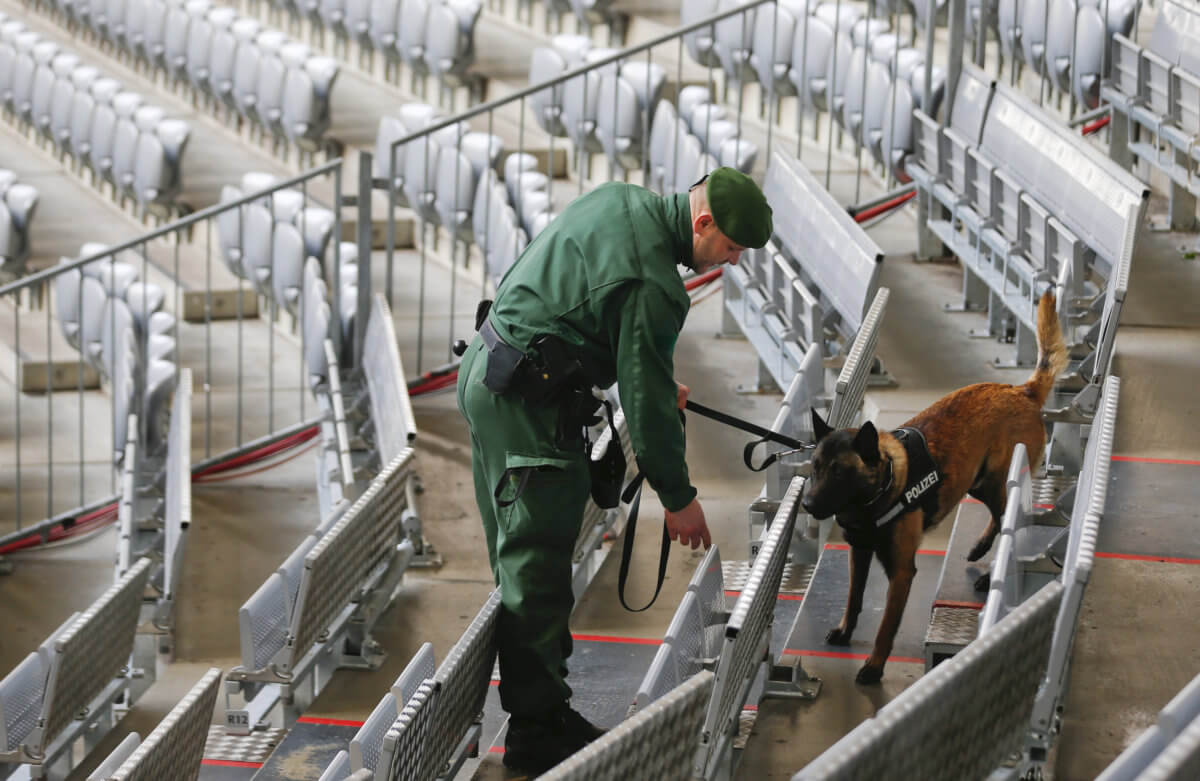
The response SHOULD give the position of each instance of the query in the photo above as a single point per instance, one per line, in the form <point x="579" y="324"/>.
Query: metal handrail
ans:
<point x="144" y="238"/>
<point x="623" y="54"/>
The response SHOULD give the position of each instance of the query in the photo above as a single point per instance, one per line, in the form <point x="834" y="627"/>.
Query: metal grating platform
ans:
<point x="796" y="577"/>
<point x="255" y="747"/>
<point x="950" y="630"/>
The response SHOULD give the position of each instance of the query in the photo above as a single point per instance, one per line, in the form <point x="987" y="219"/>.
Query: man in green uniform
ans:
<point x="597" y="289"/>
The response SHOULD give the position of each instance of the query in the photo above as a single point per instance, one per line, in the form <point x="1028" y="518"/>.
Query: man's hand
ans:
<point x="681" y="394"/>
<point x="688" y="525"/>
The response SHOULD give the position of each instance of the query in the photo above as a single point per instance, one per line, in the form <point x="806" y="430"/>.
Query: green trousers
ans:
<point x="529" y="541"/>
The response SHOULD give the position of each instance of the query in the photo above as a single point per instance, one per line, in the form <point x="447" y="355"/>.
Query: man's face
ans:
<point x="711" y="248"/>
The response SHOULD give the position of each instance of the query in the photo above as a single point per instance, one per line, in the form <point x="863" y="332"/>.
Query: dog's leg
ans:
<point x="901" y="566"/>
<point x="990" y="491"/>
<point x="860" y="566"/>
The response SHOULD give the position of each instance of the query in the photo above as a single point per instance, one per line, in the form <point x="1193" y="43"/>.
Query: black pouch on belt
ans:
<point x="608" y="473"/>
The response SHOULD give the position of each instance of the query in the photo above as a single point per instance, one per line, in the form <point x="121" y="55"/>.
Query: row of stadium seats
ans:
<point x="122" y="139"/>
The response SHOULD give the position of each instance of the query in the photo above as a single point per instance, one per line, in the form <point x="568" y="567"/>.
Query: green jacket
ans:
<point x="602" y="277"/>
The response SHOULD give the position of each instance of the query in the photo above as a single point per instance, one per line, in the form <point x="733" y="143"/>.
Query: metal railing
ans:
<point x="203" y="297"/>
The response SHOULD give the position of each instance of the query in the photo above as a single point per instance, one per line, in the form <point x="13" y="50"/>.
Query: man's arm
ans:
<point x="644" y="342"/>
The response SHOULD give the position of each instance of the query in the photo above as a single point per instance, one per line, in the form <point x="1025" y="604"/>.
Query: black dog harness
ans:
<point x="923" y="476"/>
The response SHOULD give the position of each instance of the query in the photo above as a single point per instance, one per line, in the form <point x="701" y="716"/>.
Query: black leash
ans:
<point x="752" y="428"/>
<point x="632" y="495"/>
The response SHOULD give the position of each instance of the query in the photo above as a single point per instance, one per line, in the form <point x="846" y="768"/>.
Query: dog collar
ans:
<point x="923" y="475"/>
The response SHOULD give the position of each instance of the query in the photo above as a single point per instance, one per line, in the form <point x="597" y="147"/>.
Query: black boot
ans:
<point x="534" y="745"/>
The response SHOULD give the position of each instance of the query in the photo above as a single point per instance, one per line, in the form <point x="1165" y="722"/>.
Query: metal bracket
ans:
<point x="791" y="682"/>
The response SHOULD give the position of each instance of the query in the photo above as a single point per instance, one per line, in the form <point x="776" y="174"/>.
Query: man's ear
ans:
<point x="821" y="429"/>
<point x="866" y="443"/>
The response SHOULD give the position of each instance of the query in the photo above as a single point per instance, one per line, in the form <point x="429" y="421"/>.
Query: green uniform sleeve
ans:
<point x="645" y="345"/>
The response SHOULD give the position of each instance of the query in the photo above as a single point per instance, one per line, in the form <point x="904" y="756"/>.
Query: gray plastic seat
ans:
<point x="411" y="46"/>
<point x="455" y="193"/>
<point x="661" y="141"/>
<point x="875" y="104"/>
<point x="21" y="201"/>
<point x="546" y="63"/>
<point x="46" y="84"/>
<point x="691" y="96"/>
<point x="230" y="234"/>
<point x="1060" y="29"/>
<point x="840" y="17"/>
<point x="810" y="55"/>
<point x="201" y="30"/>
<point x="864" y="32"/>
<point x="256" y="245"/>
<point x="450" y="37"/>
<point x="31" y="52"/>
<point x="158" y="172"/>
<point x="383" y="26"/>
<point x="223" y="57"/>
<point x="420" y="178"/>
<point x="771" y="53"/>
<point x="840" y="61"/>
<point x="144" y="299"/>
<point x="287" y="270"/>
<point x="160" y="388"/>
<point x="68" y="303"/>
<point x="125" y="138"/>
<point x="61" y="101"/>
<point x="489" y="196"/>
<point x="703" y="116"/>
<point x="305" y="107"/>
<point x="175" y="39"/>
<point x="316" y="225"/>
<point x="267" y="105"/>
<point x="1090" y="40"/>
<point x="357" y="22"/>
<point x="619" y="122"/>
<point x="738" y="153"/>
<point x="145" y="24"/>
<point x="1033" y="32"/>
<point x="734" y="41"/>
<point x="699" y="44"/>
<point x="249" y="56"/>
<point x="896" y="137"/>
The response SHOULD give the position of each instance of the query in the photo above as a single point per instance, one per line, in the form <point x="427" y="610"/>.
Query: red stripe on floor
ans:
<point x="847" y="655"/>
<point x="921" y="552"/>
<point x="1137" y="460"/>
<point x="786" y="597"/>
<point x="496" y="750"/>
<point x="952" y="603"/>
<point x="613" y="639"/>
<point x="334" y="722"/>
<point x="1138" y="557"/>
<point x="973" y="500"/>
<point x="230" y="763"/>
<point x="494" y="682"/>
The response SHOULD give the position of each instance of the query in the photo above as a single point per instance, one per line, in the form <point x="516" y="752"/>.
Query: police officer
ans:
<point x="595" y="298"/>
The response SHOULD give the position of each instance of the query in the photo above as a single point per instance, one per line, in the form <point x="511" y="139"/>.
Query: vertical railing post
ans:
<point x="363" y="304"/>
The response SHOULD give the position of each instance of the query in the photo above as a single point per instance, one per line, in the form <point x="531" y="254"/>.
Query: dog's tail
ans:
<point x="1052" y="350"/>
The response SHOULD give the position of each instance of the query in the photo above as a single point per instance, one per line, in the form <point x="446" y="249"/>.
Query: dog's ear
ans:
<point x="821" y="429"/>
<point x="866" y="443"/>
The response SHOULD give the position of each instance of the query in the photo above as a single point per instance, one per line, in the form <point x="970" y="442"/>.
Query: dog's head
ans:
<point x="847" y="469"/>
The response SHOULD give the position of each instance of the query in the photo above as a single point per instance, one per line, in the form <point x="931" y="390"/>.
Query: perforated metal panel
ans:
<point x="750" y="620"/>
<point x="686" y="635"/>
<point x="93" y="650"/>
<point x="1180" y="761"/>
<point x="263" y="623"/>
<point x="656" y="742"/>
<point x="852" y="381"/>
<point x="335" y="567"/>
<point x="21" y="701"/>
<point x="661" y="677"/>
<point x="404" y="746"/>
<point x="1081" y="551"/>
<point x="174" y="749"/>
<point x="462" y="684"/>
<point x="391" y="409"/>
<point x="966" y="715"/>
<point x="708" y="583"/>
<point x="420" y="667"/>
<point x="367" y="743"/>
<point x="179" y="480"/>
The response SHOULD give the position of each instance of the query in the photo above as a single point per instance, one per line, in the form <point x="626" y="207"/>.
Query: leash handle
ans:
<point x="633" y="496"/>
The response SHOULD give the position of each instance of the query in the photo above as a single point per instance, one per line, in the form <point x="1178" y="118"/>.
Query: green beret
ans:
<point x="738" y="207"/>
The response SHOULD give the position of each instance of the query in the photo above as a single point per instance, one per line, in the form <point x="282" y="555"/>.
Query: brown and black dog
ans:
<point x="862" y="475"/>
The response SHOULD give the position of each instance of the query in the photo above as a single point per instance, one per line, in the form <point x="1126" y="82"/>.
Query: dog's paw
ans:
<point x="838" y="636"/>
<point x="981" y="547"/>
<point x="983" y="582"/>
<point x="869" y="674"/>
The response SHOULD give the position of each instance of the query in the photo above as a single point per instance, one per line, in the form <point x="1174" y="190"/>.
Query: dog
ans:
<point x="862" y="476"/>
